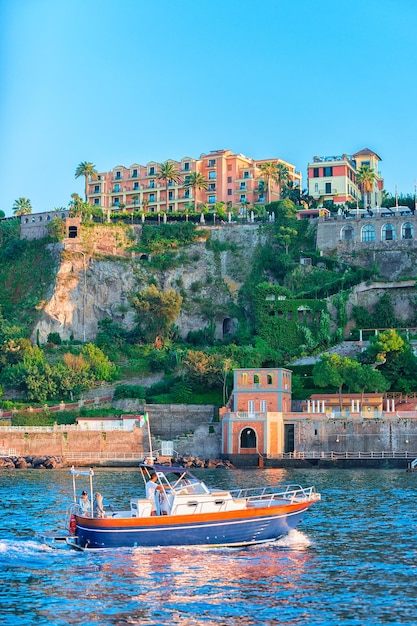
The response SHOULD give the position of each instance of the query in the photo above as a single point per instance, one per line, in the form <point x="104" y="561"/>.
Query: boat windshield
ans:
<point x="175" y="478"/>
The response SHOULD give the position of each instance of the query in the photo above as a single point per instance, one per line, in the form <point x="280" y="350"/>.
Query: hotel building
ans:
<point x="232" y="179"/>
<point x="334" y="177"/>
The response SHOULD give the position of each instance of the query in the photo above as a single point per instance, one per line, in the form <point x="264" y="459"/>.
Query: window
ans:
<point x="368" y="233"/>
<point x="186" y="166"/>
<point x="134" y="173"/>
<point x="170" y="195"/>
<point x="229" y="179"/>
<point x="212" y="162"/>
<point x="151" y="170"/>
<point x="251" y="407"/>
<point x="245" y="174"/>
<point x="212" y="175"/>
<point x="263" y="406"/>
<point x="347" y="233"/>
<point x="327" y="171"/>
<point x="388" y="232"/>
<point x="187" y="193"/>
<point x="244" y="379"/>
<point x="116" y="201"/>
<point x="212" y="199"/>
<point x="242" y="197"/>
<point x="328" y="188"/>
<point x="315" y="172"/>
<point x="96" y="201"/>
<point x="256" y="379"/>
<point x="40" y="218"/>
<point x="135" y="185"/>
<point x="96" y="188"/>
<point x="212" y="187"/>
<point x="243" y="185"/>
<point x="151" y="184"/>
<point x="118" y="175"/>
<point x="316" y="187"/>
<point x="186" y="179"/>
<point x="229" y="192"/>
<point x="407" y="231"/>
<point x="151" y="197"/>
<point x="170" y="208"/>
<point x="116" y="189"/>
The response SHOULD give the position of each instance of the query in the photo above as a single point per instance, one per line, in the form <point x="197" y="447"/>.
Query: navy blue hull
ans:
<point x="237" y="531"/>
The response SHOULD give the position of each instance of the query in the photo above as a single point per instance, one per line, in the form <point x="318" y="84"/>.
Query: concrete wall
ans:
<point x="355" y="435"/>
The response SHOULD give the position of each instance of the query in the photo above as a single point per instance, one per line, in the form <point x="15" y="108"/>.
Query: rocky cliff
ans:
<point x="96" y="279"/>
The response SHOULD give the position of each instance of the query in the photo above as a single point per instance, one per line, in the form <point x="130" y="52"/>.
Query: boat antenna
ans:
<point x="149" y="437"/>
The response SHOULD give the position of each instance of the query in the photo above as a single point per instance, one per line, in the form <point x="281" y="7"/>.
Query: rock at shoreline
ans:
<point x="35" y="462"/>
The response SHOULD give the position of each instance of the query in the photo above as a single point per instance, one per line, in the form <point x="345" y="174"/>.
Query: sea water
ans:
<point x="352" y="560"/>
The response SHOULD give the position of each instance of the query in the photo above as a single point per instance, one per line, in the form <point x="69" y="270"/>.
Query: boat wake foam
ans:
<point x="13" y="549"/>
<point x="295" y="540"/>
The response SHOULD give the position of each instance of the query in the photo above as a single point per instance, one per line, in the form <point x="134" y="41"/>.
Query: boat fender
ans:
<point x="72" y="525"/>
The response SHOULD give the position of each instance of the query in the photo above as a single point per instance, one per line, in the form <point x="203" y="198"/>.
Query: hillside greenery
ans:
<point x="282" y="313"/>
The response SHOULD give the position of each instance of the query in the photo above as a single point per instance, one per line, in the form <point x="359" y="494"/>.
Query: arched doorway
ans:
<point x="72" y="232"/>
<point x="248" y="439"/>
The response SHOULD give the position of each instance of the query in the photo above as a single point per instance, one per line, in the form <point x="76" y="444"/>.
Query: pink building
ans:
<point x="232" y="179"/>
<point x="334" y="177"/>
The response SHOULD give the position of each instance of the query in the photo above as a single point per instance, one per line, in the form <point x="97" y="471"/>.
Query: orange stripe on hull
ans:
<point x="193" y="518"/>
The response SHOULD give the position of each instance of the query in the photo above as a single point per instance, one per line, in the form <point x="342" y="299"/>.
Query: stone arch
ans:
<point x="347" y="233"/>
<point x="368" y="233"/>
<point x="248" y="438"/>
<point x="407" y="231"/>
<point x="388" y="232"/>
<point x="229" y="326"/>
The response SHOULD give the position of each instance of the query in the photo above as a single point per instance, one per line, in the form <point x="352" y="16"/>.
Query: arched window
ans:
<point x="256" y="379"/>
<point x="347" y="233"/>
<point x="244" y="379"/>
<point x="407" y="231"/>
<point x="248" y="438"/>
<point x="388" y="232"/>
<point x="269" y="379"/>
<point x="72" y="232"/>
<point x="368" y="233"/>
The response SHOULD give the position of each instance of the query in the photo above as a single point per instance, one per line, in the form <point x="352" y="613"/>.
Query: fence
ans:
<point x="400" y="454"/>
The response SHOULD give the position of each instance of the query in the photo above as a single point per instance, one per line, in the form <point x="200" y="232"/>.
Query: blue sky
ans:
<point x="133" y="81"/>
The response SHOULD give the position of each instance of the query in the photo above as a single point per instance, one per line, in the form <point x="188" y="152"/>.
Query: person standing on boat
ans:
<point x="98" y="510"/>
<point x="151" y="489"/>
<point x="84" y="504"/>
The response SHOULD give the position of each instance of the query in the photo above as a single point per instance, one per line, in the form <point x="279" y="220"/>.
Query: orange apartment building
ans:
<point x="334" y="177"/>
<point x="232" y="179"/>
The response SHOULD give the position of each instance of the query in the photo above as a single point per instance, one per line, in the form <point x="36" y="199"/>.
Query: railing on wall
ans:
<point x="399" y="454"/>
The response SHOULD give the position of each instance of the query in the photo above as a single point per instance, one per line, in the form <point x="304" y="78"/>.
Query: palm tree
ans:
<point x="86" y="169"/>
<point x="365" y="178"/>
<point x="196" y="180"/>
<point x="282" y="176"/>
<point x="22" y="206"/>
<point x="269" y="173"/>
<point x="169" y="173"/>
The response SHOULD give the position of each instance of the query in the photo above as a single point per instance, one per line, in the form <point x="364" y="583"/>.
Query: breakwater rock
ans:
<point x="196" y="462"/>
<point x="32" y="462"/>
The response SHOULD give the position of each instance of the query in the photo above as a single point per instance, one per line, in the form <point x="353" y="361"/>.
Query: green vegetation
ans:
<point x="27" y="269"/>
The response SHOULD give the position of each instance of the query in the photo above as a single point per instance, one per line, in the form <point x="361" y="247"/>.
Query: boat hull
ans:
<point x="236" y="528"/>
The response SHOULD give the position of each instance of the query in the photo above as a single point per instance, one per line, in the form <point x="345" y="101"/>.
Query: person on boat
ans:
<point x="98" y="510"/>
<point x="84" y="504"/>
<point x="151" y="489"/>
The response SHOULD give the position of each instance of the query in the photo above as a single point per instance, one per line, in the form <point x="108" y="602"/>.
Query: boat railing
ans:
<point x="270" y="495"/>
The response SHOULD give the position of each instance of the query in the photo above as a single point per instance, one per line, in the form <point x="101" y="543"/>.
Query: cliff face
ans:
<point x="89" y="288"/>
